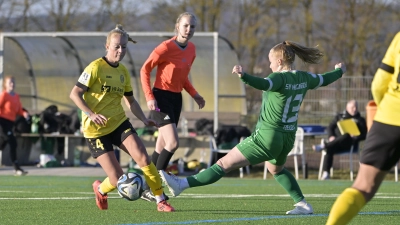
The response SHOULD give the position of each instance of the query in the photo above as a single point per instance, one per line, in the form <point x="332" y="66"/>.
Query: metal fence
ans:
<point x="319" y="106"/>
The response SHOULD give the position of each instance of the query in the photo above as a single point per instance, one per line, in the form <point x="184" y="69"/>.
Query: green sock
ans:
<point x="289" y="183"/>
<point x="208" y="176"/>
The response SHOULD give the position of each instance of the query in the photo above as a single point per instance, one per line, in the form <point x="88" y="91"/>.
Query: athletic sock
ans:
<point x="16" y="165"/>
<point x="289" y="183"/>
<point x="208" y="176"/>
<point x="154" y="157"/>
<point x="159" y="198"/>
<point x="153" y="179"/>
<point x="163" y="159"/>
<point x="346" y="206"/>
<point x="106" y="186"/>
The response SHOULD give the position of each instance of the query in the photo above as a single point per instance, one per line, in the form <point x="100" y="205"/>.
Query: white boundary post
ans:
<point x="216" y="91"/>
<point x="1" y="63"/>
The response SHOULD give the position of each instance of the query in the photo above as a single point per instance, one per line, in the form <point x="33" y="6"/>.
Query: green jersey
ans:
<point x="283" y="94"/>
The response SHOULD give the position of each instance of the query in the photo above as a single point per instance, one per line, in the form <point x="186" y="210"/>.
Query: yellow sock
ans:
<point x="346" y="207"/>
<point x="106" y="186"/>
<point x="153" y="179"/>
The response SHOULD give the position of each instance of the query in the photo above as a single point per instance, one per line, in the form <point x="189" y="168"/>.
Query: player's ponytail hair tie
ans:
<point x="131" y="40"/>
<point x="120" y="29"/>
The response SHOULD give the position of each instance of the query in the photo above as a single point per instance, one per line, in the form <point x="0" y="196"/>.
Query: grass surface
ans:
<point x="70" y="200"/>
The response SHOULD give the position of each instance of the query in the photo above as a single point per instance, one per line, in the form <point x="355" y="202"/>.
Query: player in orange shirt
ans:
<point x="173" y="58"/>
<point x="10" y="108"/>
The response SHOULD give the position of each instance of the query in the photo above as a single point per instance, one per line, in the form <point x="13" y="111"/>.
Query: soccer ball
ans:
<point x="130" y="186"/>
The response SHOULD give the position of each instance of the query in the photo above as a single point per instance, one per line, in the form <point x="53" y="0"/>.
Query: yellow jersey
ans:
<point x="105" y="86"/>
<point x="386" y="86"/>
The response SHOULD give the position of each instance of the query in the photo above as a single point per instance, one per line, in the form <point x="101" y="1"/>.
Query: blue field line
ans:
<point x="257" y="218"/>
<point x="231" y="220"/>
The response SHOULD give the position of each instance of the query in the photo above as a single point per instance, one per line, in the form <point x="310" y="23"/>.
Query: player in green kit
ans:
<point x="274" y="136"/>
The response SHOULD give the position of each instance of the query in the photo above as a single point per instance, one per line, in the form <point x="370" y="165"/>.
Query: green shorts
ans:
<point x="267" y="145"/>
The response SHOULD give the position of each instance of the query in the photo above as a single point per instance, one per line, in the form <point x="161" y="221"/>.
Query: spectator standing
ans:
<point x="10" y="108"/>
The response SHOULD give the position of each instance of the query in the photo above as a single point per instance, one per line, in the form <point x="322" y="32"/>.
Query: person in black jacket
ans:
<point x="338" y="143"/>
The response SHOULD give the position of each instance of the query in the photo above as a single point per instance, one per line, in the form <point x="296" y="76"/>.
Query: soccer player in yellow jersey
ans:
<point x="382" y="146"/>
<point x="98" y="94"/>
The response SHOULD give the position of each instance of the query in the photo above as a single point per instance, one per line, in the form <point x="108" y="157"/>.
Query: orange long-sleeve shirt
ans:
<point x="173" y="66"/>
<point x="10" y="106"/>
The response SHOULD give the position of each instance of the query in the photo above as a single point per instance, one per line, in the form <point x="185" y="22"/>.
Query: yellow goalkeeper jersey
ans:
<point x="105" y="85"/>
<point x="386" y="86"/>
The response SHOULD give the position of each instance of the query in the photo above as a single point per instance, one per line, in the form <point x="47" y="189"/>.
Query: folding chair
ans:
<point x="345" y="126"/>
<point x="350" y="153"/>
<point x="214" y="150"/>
<point x="297" y="150"/>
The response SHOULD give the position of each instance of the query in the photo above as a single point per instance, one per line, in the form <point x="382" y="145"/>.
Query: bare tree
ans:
<point x="62" y="13"/>
<point x="23" y="8"/>
<point x="308" y="21"/>
<point x="209" y="12"/>
<point x="7" y="11"/>
<point x="163" y="14"/>
<point x="14" y="13"/>
<point x="351" y="38"/>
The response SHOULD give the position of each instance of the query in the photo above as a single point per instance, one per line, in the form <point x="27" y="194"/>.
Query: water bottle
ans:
<point x="184" y="127"/>
<point x="181" y="166"/>
<point x="35" y="124"/>
<point x="77" y="157"/>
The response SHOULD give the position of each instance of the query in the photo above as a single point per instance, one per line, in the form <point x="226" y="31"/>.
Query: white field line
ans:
<point x="115" y="195"/>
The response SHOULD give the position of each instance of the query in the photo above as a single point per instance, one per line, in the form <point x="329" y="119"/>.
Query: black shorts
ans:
<point x="6" y="134"/>
<point x="382" y="146"/>
<point x="6" y="129"/>
<point x="169" y="103"/>
<point x="103" y="144"/>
